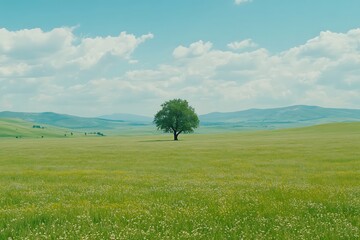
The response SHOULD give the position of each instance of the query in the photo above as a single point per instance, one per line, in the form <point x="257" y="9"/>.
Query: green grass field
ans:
<point x="288" y="184"/>
<point x="12" y="128"/>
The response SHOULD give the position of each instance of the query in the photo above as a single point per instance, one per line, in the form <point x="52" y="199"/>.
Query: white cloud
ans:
<point x="323" y="71"/>
<point x="238" y="2"/>
<point x="91" y="50"/>
<point x="195" y="49"/>
<point x="30" y="49"/>
<point x="247" y="43"/>
<point x="78" y="75"/>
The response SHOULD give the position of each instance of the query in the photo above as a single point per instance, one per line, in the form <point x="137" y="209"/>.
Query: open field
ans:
<point x="288" y="184"/>
<point x="11" y="128"/>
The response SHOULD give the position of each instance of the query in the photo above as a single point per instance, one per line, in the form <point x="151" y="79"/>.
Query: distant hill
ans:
<point x="63" y="120"/>
<point x="275" y="118"/>
<point x="299" y="115"/>
<point x="127" y="118"/>
<point x="16" y="128"/>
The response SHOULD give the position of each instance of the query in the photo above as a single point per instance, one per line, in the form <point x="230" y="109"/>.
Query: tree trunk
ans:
<point x="175" y="136"/>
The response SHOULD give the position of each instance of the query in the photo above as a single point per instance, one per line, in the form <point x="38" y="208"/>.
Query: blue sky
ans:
<point x="98" y="57"/>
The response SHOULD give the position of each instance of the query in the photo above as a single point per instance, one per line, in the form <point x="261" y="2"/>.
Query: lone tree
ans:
<point x="176" y="116"/>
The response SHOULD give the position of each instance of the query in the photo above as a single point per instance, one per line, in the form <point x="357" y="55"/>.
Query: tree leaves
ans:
<point x="176" y="116"/>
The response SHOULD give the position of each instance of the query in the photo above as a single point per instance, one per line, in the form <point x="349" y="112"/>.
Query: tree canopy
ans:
<point x="176" y="116"/>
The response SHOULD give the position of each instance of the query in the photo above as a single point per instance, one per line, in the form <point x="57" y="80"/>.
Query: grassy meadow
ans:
<point x="288" y="184"/>
<point x="16" y="128"/>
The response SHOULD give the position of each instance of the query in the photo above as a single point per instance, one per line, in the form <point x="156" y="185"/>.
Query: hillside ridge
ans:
<point x="271" y="118"/>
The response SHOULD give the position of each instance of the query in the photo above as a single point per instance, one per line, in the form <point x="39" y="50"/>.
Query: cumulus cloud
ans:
<point x="28" y="50"/>
<point x="247" y="43"/>
<point x="91" y="50"/>
<point x="323" y="71"/>
<point x="195" y="49"/>
<point x="69" y="76"/>
<point x="238" y="2"/>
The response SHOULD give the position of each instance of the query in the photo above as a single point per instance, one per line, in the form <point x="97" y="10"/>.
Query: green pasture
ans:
<point x="288" y="184"/>
<point x="16" y="128"/>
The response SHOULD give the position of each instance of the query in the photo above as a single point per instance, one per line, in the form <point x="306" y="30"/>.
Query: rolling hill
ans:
<point x="275" y="118"/>
<point x="292" y="116"/>
<point x="22" y="129"/>
<point x="133" y="118"/>
<point x="63" y="120"/>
